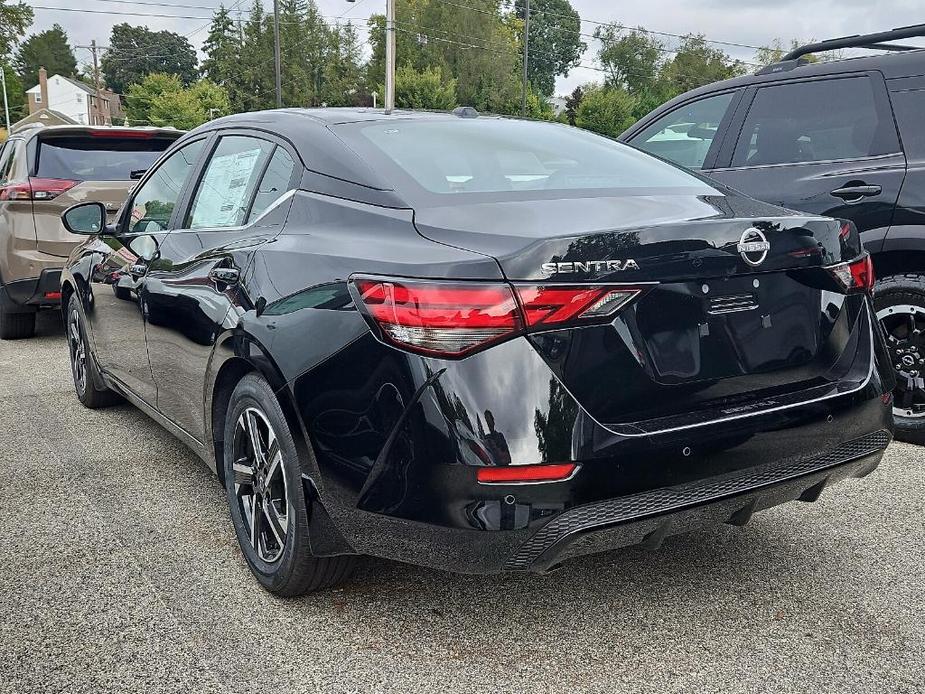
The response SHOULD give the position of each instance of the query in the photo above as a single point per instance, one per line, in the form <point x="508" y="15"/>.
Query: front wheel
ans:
<point x="263" y="482"/>
<point x="83" y="368"/>
<point x="900" y="305"/>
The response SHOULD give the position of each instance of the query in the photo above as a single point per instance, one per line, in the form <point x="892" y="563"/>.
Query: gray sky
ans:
<point x="752" y="22"/>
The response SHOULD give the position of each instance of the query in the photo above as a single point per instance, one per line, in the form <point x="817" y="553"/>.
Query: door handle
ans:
<point x="138" y="270"/>
<point x="855" y="192"/>
<point x="224" y="275"/>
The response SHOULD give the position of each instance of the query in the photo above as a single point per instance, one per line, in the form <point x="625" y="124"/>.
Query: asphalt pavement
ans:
<point x="119" y="571"/>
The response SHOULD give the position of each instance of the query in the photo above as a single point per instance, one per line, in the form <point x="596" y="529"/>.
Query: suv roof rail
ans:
<point x="879" y="41"/>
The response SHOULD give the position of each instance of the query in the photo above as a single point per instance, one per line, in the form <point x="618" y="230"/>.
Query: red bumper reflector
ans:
<point x="526" y="473"/>
<point x="53" y="295"/>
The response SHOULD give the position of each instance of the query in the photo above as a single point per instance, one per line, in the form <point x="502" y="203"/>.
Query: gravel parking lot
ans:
<point x="120" y="572"/>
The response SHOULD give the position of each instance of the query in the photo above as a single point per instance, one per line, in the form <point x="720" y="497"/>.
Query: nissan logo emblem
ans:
<point x="753" y="247"/>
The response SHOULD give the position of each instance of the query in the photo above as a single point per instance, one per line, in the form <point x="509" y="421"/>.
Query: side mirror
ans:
<point x="86" y="218"/>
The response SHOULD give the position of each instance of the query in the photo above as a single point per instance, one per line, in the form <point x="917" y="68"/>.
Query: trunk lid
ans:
<point x="738" y="310"/>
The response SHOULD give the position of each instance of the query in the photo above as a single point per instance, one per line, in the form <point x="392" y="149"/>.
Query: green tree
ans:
<point x="135" y="52"/>
<point x="222" y="48"/>
<point x="162" y="100"/>
<point x="473" y="42"/>
<point x="555" y="41"/>
<point x="696" y="63"/>
<point x="48" y="49"/>
<point x="572" y="102"/>
<point x="776" y="50"/>
<point x="15" y="94"/>
<point x="632" y="60"/>
<point x="15" y="18"/>
<point x="424" y="89"/>
<point x="605" y="110"/>
<point x="344" y="81"/>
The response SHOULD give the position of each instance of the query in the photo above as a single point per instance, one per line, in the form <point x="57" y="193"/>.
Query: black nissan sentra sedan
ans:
<point x="473" y="343"/>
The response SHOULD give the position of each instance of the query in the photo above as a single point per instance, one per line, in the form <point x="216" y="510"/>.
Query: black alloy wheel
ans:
<point x="266" y="496"/>
<point x="900" y="306"/>
<point x="260" y="484"/>
<point x="83" y="368"/>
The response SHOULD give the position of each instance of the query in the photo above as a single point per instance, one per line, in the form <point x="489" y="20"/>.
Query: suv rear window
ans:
<point x="97" y="157"/>
<point x="436" y="158"/>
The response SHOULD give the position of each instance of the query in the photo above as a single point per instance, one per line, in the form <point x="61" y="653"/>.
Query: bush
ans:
<point x="605" y="110"/>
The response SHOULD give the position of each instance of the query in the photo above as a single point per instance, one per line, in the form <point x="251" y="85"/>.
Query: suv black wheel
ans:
<point x="83" y="368"/>
<point x="16" y="326"/>
<point x="263" y="481"/>
<point x="900" y="306"/>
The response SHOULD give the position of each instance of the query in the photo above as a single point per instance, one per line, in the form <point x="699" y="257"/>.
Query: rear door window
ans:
<point x="224" y="195"/>
<point x="686" y="134"/>
<point x="98" y="157"/>
<point x="274" y="184"/>
<point x="821" y="120"/>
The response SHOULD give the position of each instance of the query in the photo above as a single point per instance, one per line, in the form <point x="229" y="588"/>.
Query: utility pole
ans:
<point x="6" y="105"/>
<point x="523" y="102"/>
<point x="389" y="56"/>
<point x="276" y="56"/>
<point x="96" y="81"/>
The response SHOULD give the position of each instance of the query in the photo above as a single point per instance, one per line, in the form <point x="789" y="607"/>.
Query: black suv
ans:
<point x="844" y="139"/>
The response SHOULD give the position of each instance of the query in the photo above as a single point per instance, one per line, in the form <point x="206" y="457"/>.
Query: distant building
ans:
<point x="44" y="116"/>
<point x="75" y="100"/>
<point x="557" y="103"/>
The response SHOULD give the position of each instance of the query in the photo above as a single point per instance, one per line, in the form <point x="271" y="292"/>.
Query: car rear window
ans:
<point x="97" y="158"/>
<point x="501" y="156"/>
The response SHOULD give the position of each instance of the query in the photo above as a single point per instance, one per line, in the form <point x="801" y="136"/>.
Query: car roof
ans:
<point x="38" y="129"/>
<point x="892" y="66"/>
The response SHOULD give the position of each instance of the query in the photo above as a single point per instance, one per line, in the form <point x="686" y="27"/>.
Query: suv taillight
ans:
<point x="50" y="188"/>
<point x="856" y="276"/>
<point x="36" y="189"/>
<point x="455" y="319"/>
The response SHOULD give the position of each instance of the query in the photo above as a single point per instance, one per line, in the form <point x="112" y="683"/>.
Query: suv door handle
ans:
<point x="224" y="275"/>
<point x="856" y="192"/>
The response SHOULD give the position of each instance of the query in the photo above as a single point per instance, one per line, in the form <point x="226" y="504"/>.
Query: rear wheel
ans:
<point x="16" y="326"/>
<point x="900" y="307"/>
<point x="263" y="482"/>
<point x="83" y="368"/>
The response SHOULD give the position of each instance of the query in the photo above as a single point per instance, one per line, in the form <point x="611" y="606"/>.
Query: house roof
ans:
<point x="44" y="116"/>
<point x="77" y="83"/>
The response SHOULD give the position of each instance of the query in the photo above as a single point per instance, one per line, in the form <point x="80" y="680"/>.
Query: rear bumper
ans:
<point x="30" y="294"/>
<point x="647" y="519"/>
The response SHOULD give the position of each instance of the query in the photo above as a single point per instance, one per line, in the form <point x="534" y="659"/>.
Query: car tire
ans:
<point x="899" y="302"/>
<point x="261" y="486"/>
<point x="83" y="367"/>
<point x="16" y="326"/>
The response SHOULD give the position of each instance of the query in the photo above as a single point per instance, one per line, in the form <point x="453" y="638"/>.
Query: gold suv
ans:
<point x="44" y="170"/>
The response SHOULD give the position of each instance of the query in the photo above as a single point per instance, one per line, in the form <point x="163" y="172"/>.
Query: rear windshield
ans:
<point x="97" y="158"/>
<point x="491" y="155"/>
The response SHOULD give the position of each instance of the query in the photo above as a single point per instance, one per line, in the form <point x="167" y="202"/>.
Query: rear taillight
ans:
<point x="551" y="306"/>
<point x="856" y="276"/>
<point x="50" y="188"/>
<point x="455" y="319"/>
<point x="36" y="189"/>
<point x="448" y="319"/>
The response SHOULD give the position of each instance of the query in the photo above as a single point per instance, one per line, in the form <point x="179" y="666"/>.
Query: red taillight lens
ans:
<point x="455" y="319"/>
<point x="439" y="319"/>
<point x="49" y="188"/>
<point x="512" y="474"/>
<point x="16" y="191"/>
<point x="553" y="305"/>
<point x="856" y="276"/>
